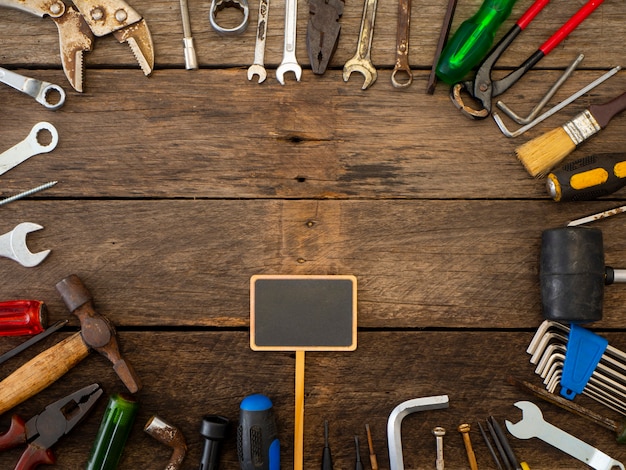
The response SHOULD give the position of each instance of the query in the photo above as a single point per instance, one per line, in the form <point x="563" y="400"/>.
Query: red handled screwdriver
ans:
<point x="588" y="177"/>
<point x="22" y="317"/>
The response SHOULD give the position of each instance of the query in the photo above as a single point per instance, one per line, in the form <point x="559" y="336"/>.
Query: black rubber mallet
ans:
<point x="573" y="274"/>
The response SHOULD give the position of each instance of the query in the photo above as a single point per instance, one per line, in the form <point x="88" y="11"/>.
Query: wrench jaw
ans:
<point x="288" y="67"/>
<point x="257" y="69"/>
<point x="525" y="428"/>
<point x="369" y="72"/>
<point x="13" y="245"/>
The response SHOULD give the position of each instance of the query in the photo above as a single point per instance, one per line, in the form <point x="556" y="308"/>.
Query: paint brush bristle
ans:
<point x="545" y="152"/>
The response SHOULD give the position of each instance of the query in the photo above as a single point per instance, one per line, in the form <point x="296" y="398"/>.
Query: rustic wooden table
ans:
<point x="175" y="189"/>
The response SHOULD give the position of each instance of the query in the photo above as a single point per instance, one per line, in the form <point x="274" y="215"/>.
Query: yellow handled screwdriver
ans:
<point x="588" y="177"/>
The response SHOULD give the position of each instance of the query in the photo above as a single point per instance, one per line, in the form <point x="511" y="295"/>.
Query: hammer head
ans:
<point x="572" y="274"/>
<point x="96" y="330"/>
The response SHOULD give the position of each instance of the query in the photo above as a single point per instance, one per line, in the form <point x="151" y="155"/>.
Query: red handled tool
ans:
<point x="483" y="89"/>
<point x="22" y="317"/>
<point x="42" y="431"/>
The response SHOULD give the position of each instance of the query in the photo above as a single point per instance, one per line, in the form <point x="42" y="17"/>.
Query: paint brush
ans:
<point x="545" y="152"/>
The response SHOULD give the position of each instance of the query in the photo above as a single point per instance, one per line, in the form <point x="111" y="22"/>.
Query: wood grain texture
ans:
<point x="175" y="189"/>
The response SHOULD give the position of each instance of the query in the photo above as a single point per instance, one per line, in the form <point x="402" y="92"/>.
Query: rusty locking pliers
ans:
<point x="77" y="28"/>
<point x="482" y="89"/>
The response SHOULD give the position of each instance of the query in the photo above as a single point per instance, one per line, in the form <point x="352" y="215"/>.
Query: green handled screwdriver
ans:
<point x="471" y="42"/>
<point x="588" y="177"/>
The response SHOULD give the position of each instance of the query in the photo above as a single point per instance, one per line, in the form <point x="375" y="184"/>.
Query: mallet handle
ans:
<point x="41" y="371"/>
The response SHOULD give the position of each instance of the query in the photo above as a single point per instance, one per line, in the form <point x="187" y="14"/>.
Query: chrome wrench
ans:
<point x="258" y="67"/>
<point x="289" y="63"/>
<point x="532" y="424"/>
<point x="29" y="147"/>
<point x="362" y="61"/>
<point x="13" y="245"/>
<point x="37" y="89"/>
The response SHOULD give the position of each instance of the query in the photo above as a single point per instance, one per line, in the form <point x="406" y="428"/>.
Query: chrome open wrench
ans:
<point x="29" y="147"/>
<point x="39" y="90"/>
<point x="362" y="61"/>
<point x="13" y="245"/>
<point x="532" y="424"/>
<point x="289" y="63"/>
<point x="258" y="67"/>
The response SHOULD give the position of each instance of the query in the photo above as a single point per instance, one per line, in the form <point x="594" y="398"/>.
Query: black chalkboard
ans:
<point x="307" y="313"/>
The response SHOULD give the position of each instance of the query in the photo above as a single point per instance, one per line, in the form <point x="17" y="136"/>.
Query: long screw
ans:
<point x="439" y="432"/>
<point x="464" y="429"/>
<point x="27" y="193"/>
<point x="370" y="443"/>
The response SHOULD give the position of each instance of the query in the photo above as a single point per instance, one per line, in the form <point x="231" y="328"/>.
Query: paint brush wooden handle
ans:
<point x="603" y="113"/>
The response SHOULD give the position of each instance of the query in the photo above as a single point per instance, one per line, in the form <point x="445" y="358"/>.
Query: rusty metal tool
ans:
<point x="619" y="428"/>
<point x="533" y="424"/>
<point x="362" y="60"/>
<point x="322" y="34"/>
<point x="218" y="5"/>
<point x="77" y="29"/>
<point x="394" y="424"/>
<point x="289" y="62"/>
<point x="483" y="89"/>
<point x="171" y="436"/>
<point x="45" y="93"/>
<point x="44" y="430"/>
<point x="97" y="333"/>
<point x="401" y="76"/>
<point x="258" y="67"/>
<point x="13" y="245"/>
<point x="443" y="37"/>
<point x="30" y="146"/>
<point x="191" y="60"/>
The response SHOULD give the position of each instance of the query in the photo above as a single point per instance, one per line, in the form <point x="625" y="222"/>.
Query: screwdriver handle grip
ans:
<point x="472" y="40"/>
<point x="570" y="26"/>
<point x="588" y="178"/>
<point x="16" y="434"/>
<point x="258" y="447"/>
<point x="22" y="317"/>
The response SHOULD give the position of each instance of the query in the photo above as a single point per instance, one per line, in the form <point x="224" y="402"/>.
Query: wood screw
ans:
<point x="464" y="429"/>
<point x="439" y="432"/>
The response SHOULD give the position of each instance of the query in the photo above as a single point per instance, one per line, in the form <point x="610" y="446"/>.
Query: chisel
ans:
<point x="588" y="177"/>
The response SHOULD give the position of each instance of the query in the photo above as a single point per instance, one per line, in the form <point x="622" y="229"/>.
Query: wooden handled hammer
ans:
<point x="97" y="332"/>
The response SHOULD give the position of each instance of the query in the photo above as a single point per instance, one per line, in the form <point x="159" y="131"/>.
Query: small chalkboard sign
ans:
<point x="302" y="313"/>
<point x="309" y="313"/>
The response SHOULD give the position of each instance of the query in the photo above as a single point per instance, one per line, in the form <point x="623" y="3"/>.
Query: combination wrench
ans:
<point x="289" y="62"/>
<point x="258" y="67"/>
<point x="29" y="147"/>
<point x="362" y="62"/>
<point x="532" y="425"/>
<point x="402" y="76"/>
<point x="41" y="91"/>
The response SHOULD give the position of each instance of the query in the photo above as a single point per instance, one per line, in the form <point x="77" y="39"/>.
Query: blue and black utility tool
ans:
<point x="258" y="447"/>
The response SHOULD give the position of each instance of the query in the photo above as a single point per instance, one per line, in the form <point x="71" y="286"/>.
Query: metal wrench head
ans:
<point x="288" y="67"/>
<point x="257" y="69"/>
<point x="526" y="428"/>
<point x="364" y="67"/>
<point x="18" y="248"/>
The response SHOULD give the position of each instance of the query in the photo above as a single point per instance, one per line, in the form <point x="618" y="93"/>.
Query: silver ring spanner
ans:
<point x="13" y="245"/>
<point x="289" y="62"/>
<point x="39" y="90"/>
<point x="218" y="5"/>
<point x="29" y="147"/>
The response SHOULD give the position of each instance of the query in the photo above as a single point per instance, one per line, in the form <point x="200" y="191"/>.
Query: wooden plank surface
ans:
<point x="175" y="189"/>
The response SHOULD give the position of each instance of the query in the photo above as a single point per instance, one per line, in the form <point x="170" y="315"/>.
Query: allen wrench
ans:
<point x="555" y="109"/>
<point x="548" y="96"/>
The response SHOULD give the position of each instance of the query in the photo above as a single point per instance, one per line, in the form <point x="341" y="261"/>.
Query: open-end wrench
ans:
<point x="362" y="61"/>
<point x="532" y="424"/>
<point x="41" y="91"/>
<point x="29" y="147"/>
<point x="258" y="67"/>
<point x="13" y="245"/>
<point x="402" y="76"/>
<point x="289" y="63"/>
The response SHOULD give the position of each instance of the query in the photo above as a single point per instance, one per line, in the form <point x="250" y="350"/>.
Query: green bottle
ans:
<point x="472" y="40"/>
<point x="116" y="425"/>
